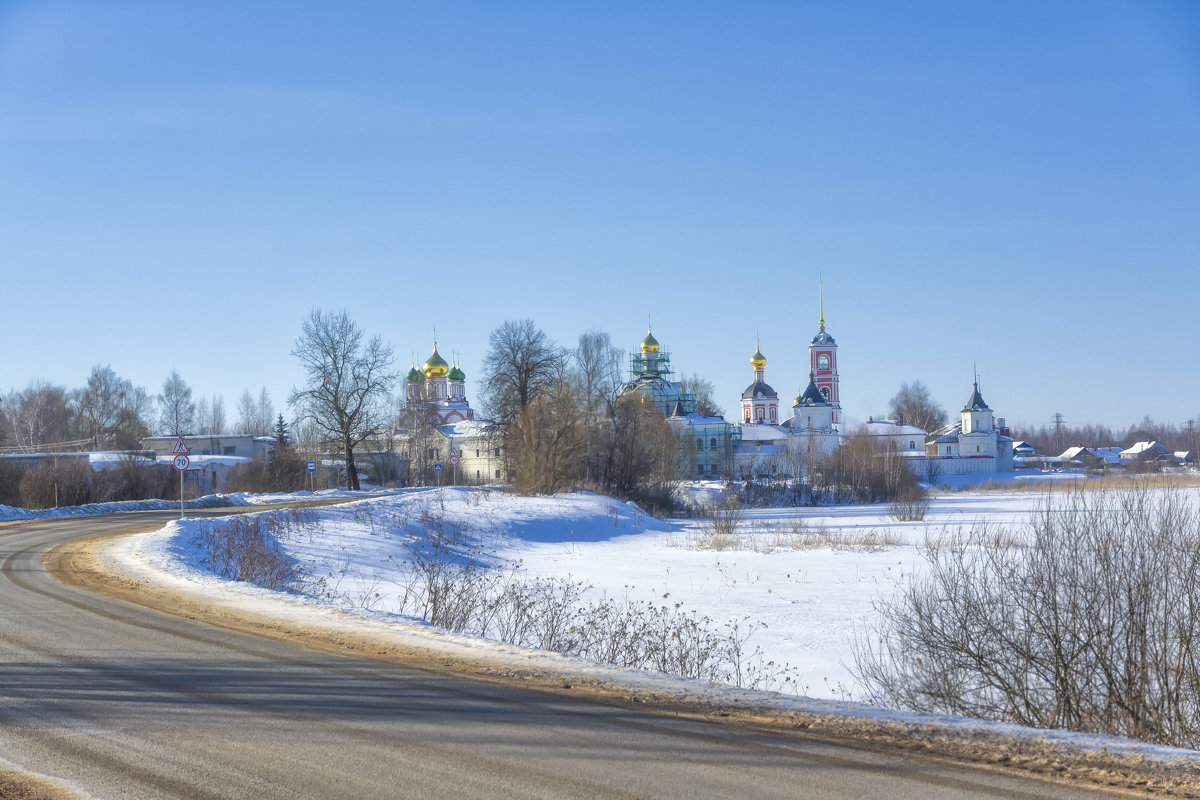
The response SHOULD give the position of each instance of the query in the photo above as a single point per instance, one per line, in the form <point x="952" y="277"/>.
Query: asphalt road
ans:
<point x="125" y="702"/>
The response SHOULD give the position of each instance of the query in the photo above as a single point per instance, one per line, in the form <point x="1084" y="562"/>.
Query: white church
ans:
<point x="977" y="443"/>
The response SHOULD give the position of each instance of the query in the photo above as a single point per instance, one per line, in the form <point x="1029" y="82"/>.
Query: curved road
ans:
<point x="124" y="702"/>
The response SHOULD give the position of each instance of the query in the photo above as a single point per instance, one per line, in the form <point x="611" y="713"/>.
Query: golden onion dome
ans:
<point x="436" y="366"/>
<point x="649" y="344"/>
<point x="758" y="360"/>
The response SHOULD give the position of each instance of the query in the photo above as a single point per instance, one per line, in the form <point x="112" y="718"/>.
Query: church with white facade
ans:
<point x="438" y="430"/>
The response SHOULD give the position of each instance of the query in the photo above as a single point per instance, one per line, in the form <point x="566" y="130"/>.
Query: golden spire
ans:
<point x="822" y="285"/>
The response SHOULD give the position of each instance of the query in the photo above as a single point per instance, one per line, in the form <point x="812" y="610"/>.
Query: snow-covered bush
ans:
<point x="452" y="583"/>
<point x="246" y="547"/>
<point x="1088" y="621"/>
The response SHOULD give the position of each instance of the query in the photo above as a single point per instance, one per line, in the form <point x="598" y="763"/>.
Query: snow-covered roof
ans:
<point x="1141" y="447"/>
<point x="190" y="436"/>
<point x="100" y="462"/>
<point x="763" y="433"/>
<point x="888" y="427"/>
<point x="1072" y="453"/>
<point x="467" y="428"/>
<point x="1023" y="446"/>
<point x="204" y="460"/>
<point x="700" y="419"/>
<point x="1111" y="455"/>
<point x="953" y="427"/>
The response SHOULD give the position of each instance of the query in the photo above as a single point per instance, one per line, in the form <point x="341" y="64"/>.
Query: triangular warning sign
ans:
<point x="181" y="448"/>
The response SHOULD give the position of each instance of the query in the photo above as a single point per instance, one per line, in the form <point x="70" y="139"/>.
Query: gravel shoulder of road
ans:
<point x="86" y="564"/>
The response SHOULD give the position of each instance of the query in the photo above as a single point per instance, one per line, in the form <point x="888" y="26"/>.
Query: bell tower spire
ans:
<point x="821" y="284"/>
<point x="823" y="362"/>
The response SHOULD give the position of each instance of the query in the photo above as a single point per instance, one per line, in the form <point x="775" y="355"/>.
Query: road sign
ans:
<point x="453" y="459"/>
<point x="181" y="463"/>
<point x="454" y="452"/>
<point x="437" y="467"/>
<point x="312" y="466"/>
<point x="181" y="448"/>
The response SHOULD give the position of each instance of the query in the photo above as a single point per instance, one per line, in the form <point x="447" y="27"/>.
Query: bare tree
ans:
<point x="644" y="456"/>
<point x="546" y="441"/>
<point x="913" y="405"/>
<point x="38" y="415"/>
<point x="176" y="411"/>
<point x="702" y="390"/>
<point x="247" y="413"/>
<point x="256" y="417"/>
<point x="210" y="415"/>
<point x="597" y="373"/>
<point x="134" y="419"/>
<point x="597" y="363"/>
<point x="108" y="406"/>
<point x="522" y="361"/>
<point x="217" y="419"/>
<point x="264" y="418"/>
<point x="203" y="417"/>
<point x="348" y="383"/>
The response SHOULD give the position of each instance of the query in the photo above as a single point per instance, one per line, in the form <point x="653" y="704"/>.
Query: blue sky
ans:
<point x="1010" y="184"/>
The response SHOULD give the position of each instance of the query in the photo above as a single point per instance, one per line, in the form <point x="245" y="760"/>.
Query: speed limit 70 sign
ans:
<point x="181" y="463"/>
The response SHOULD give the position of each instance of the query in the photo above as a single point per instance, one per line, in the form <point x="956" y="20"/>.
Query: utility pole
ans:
<point x="1058" y="429"/>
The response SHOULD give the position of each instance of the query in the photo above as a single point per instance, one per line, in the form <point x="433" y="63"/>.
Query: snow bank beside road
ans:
<point x="10" y="513"/>
<point x="581" y="529"/>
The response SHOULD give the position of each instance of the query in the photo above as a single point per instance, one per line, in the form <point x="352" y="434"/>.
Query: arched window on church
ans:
<point x="823" y="361"/>
<point x="713" y="443"/>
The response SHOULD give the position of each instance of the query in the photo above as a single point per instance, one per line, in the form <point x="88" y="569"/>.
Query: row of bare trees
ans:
<point x="110" y="412"/>
<point x="1056" y="436"/>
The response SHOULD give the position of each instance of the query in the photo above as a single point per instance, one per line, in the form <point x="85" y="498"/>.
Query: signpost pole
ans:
<point x="181" y="465"/>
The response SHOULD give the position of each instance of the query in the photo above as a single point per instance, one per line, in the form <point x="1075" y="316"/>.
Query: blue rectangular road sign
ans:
<point x="312" y="466"/>
<point x="437" y="467"/>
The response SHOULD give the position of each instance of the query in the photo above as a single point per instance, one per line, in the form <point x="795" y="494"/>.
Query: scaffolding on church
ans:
<point x="650" y="375"/>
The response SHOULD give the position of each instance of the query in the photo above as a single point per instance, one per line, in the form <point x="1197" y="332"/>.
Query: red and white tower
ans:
<point x="822" y="353"/>
<point x="760" y="403"/>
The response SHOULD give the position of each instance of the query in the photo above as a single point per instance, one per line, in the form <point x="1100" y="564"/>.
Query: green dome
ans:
<point x="413" y="374"/>
<point x="456" y="374"/>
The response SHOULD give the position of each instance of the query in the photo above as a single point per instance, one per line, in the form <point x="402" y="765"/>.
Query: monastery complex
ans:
<point x="439" y="429"/>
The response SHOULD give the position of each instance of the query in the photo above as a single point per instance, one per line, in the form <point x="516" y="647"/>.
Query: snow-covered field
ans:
<point x="806" y="581"/>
